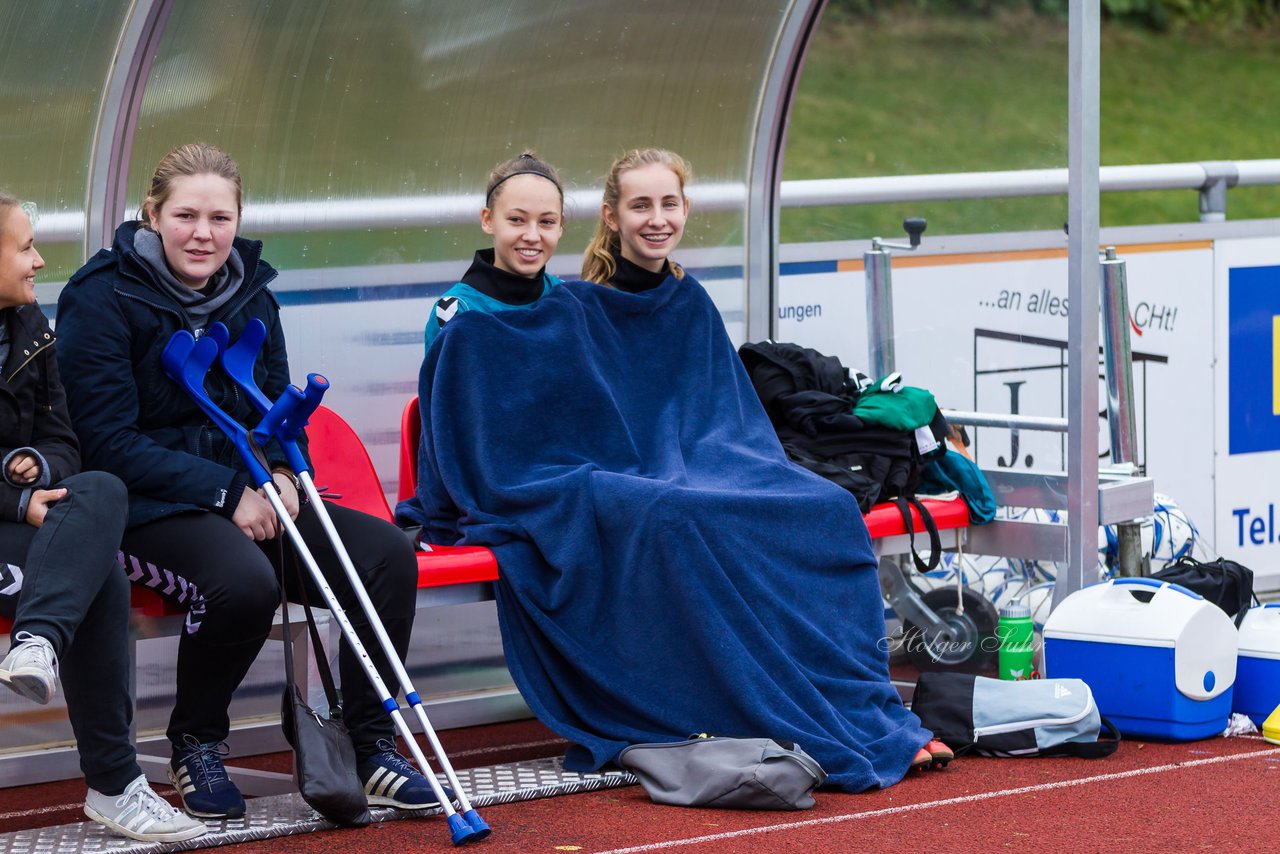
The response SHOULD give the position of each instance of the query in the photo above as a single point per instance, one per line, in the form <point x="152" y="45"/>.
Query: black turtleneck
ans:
<point x="633" y="278"/>
<point x="511" y="288"/>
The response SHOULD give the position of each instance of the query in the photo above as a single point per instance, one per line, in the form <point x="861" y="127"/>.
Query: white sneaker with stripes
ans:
<point x="31" y="668"/>
<point x="139" y="813"/>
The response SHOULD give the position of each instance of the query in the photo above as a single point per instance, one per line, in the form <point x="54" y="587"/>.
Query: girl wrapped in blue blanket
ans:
<point x="641" y="222"/>
<point x="524" y="212"/>
<point x="663" y="568"/>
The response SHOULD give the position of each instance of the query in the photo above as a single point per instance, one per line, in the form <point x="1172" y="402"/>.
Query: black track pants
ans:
<point x="71" y="592"/>
<point x="229" y="585"/>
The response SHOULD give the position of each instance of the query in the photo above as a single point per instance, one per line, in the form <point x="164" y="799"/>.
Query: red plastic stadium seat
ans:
<point x="410" y="435"/>
<point x="343" y="465"/>
<point x="149" y="603"/>
<point x="145" y="601"/>
<point x="885" y="520"/>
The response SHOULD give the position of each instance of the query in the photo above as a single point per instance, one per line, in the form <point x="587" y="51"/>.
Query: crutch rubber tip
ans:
<point x="461" y="832"/>
<point x="479" y="825"/>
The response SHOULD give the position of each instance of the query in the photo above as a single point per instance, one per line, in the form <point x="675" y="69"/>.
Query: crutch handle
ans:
<point x="288" y="426"/>
<point x="275" y="417"/>
<point x="187" y="360"/>
<point x="239" y="358"/>
<point x="289" y="431"/>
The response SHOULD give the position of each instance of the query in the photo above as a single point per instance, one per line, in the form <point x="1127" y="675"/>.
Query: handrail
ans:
<point x="1016" y="422"/>
<point x="1210" y="178"/>
<point x="988" y="185"/>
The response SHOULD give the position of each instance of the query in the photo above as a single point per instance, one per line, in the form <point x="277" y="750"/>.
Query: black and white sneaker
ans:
<point x="198" y="774"/>
<point x="390" y="781"/>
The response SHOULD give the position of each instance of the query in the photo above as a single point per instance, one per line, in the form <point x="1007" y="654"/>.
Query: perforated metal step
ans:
<point x="287" y="815"/>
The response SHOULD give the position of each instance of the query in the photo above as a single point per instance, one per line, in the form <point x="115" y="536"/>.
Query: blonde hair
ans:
<point x="7" y="201"/>
<point x="527" y="163"/>
<point x="597" y="262"/>
<point x="195" y="158"/>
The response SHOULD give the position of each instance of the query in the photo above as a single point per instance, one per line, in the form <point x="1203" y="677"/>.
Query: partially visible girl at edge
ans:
<point x="524" y="212"/>
<point x="60" y="579"/>
<point x="641" y="222"/>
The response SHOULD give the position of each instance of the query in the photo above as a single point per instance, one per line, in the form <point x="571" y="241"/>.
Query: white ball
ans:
<point x="1173" y="533"/>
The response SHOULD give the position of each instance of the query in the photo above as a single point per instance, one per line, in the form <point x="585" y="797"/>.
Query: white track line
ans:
<point x="502" y="748"/>
<point x="5" y="816"/>
<point x="965" y="799"/>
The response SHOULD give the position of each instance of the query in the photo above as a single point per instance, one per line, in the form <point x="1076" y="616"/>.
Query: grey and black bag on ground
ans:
<point x="731" y="773"/>
<point x="993" y="717"/>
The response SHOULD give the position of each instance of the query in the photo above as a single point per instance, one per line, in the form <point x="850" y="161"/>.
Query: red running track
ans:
<point x="1207" y="795"/>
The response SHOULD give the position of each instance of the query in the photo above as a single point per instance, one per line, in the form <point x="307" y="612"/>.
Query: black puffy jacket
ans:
<point x="33" y="407"/>
<point x="114" y="321"/>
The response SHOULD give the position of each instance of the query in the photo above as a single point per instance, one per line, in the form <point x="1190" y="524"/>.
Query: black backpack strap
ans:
<point x="1093" y="749"/>
<point x="904" y="504"/>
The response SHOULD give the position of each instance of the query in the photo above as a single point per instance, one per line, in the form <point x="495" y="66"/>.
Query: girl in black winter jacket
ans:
<point x="199" y="531"/>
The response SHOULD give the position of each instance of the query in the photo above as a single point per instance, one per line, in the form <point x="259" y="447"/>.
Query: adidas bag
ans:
<point x="993" y="717"/>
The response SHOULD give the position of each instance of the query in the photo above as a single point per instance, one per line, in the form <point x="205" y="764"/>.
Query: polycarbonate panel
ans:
<point x="54" y="57"/>
<point x="335" y="108"/>
<point x="921" y="96"/>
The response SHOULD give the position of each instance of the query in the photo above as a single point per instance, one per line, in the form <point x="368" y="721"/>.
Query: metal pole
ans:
<point x="880" y="356"/>
<point x="1118" y="358"/>
<point x="1016" y="422"/>
<point x="1082" y="289"/>
<point x="108" y="178"/>
<point x="762" y="208"/>
<point x="1219" y="176"/>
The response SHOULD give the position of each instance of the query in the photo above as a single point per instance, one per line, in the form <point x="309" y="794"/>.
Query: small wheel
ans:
<point x="974" y="645"/>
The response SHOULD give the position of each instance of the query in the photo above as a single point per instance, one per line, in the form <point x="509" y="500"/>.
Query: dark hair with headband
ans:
<point x="527" y="163"/>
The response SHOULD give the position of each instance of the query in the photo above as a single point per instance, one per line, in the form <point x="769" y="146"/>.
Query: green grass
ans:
<point x="917" y="95"/>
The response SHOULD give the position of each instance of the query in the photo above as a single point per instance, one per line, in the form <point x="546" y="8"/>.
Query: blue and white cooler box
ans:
<point x="1258" y="668"/>
<point x="1160" y="659"/>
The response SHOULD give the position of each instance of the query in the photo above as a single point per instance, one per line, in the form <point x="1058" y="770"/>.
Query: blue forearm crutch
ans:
<point x="187" y="361"/>
<point x="238" y="359"/>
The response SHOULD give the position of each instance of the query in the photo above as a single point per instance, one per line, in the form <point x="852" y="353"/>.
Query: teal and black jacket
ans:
<point x="485" y="287"/>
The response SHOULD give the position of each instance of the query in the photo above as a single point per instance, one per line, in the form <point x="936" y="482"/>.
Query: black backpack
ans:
<point x="809" y="399"/>
<point x="1225" y="583"/>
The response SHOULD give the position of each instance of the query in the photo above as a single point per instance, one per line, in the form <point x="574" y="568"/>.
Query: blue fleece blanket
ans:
<point x="663" y="569"/>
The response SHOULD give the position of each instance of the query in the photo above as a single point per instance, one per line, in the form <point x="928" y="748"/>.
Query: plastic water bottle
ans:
<point x="1017" y="642"/>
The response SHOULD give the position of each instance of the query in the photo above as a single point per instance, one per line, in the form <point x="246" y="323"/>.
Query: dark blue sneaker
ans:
<point x="390" y="781"/>
<point x="196" y="771"/>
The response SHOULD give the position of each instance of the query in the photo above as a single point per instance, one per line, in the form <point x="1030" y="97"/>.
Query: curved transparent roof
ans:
<point x="365" y="134"/>
<point x="54" y="59"/>
<point x="333" y="104"/>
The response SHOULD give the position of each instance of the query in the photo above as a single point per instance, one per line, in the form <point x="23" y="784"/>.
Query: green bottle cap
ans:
<point x="1015" y="610"/>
